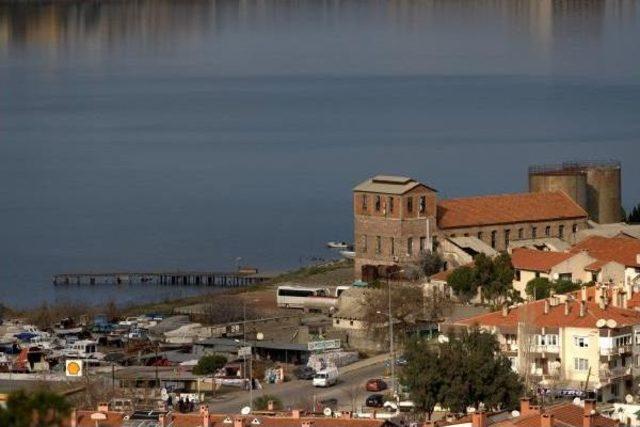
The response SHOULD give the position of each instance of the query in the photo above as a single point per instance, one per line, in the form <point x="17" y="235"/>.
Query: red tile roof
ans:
<point x="507" y="209"/>
<point x="623" y="250"/>
<point x="534" y="260"/>
<point x="533" y="312"/>
<point x="564" y="415"/>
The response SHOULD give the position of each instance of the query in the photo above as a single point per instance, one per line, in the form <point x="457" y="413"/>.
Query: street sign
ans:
<point x="73" y="368"/>
<point x="244" y="351"/>
<point x="323" y="345"/>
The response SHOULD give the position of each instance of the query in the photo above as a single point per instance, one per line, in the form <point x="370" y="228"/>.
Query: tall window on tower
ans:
<point x="423" y="204"/>
<point x="364" y="202"/>
<point x="390" y="203"/>
<point x="378" y="203"/>
<point x="410" y="246"/>
<point x="494" y="235"/>
<point x="410" y="204"/>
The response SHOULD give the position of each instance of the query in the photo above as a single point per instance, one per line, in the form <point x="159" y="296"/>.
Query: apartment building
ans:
<point x="587" y="339"/>
<point x="396" y="219"/>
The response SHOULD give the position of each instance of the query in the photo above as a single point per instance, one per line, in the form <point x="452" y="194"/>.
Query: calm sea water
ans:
<point x="158" y="134"/>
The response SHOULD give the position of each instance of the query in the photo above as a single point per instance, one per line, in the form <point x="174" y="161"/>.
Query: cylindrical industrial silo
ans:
<point x="596" y="186"/>
<point x="552" y="178"/>
<point x="604" y="199"/>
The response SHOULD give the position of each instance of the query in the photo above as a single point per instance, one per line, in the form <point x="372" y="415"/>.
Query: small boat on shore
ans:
<point x="348" y="254"/>
<point x="337" y="245"/>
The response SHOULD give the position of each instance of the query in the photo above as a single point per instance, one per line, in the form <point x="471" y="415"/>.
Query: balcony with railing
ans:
<point x="608" y="374"/>
<point x="616" y="350"/>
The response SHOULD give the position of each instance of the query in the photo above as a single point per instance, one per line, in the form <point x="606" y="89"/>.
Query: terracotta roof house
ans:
<point x="529" y="264"/>
<point x="617" y="259"/>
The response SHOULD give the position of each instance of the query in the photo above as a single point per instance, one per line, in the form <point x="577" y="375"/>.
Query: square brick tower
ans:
<point x="394" y="221"/>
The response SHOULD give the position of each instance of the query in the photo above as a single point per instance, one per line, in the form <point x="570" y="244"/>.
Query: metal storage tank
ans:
<point x="572" y="182"/>
<point x="596" y="186"/>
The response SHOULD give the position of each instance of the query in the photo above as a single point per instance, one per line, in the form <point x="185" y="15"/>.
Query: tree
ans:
<point x="564" y="286"/>
<point x="209" y="364"/>
<point x="430" y="263"/>
<point x="39" y="409"/>
<point x="540" y="288"/>
<point x="634" y="216"/>
<point x="410" y="306"/>
<point x="423" y="375"/>
<point x="467" y="370"/>
<point x="462" y="281"/>
<point x="261" y="403"/>
<point x="498" y="285"/>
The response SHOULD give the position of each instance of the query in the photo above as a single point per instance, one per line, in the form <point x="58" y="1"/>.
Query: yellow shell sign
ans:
<point x="74" y="368"/>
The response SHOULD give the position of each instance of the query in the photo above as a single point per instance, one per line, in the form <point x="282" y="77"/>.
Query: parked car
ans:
<point x="375" y="384"/>
<point x="304" y="372"/>
<point x="399" y="361"/>
<point x="375" y="401"/>
<point x="325" y="377"/>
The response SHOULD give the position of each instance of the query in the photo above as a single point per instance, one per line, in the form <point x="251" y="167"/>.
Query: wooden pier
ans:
<point x="175" y="278"/>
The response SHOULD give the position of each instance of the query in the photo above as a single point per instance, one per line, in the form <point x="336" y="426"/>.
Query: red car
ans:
<point x="375" y="384"/>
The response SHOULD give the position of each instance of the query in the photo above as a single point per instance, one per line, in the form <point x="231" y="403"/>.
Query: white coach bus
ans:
<point x="292" y="296"/>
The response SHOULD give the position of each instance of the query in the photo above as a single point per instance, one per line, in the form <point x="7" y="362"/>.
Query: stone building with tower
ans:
<point x="397" y="219"/>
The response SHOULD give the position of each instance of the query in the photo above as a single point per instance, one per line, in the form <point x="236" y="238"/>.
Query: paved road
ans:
<point x="300" y="393"/>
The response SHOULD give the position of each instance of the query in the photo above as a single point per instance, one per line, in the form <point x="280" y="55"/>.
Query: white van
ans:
<point x="326" y="377"/>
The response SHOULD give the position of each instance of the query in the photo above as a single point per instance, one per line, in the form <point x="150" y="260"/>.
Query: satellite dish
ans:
<point x="577" y="401"/>
<point x="611" y="323"/>
<point x="515" y="414"/>
<point x="601" y="323"/>
<point x="628" y="398"/>
<point x="259" y="336"/>
<point x="246" y="410"/>
<point x="327" y="412"/>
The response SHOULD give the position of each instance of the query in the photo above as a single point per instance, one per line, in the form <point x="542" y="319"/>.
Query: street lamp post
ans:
<point x="391" y="339"/>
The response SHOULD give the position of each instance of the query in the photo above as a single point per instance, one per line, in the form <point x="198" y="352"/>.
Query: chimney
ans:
<point x="583" y="308"/>
<point x="505" y="310"/>
<point x="526" y="408"/>
<point x="583" y="293"/>
<point x="270" y="405"/>
<point x="204" y="413"/>
<point x="602" y="302"/>
<point x="295" y="413"/>
<point x="615" y="297"/>
<point x="162" y="421"/>
<point x="546" y="420"/>
<point x="238" y="422"/>
<point x="73" y="422"/>
<point x="546" y="306"/>
<point x="307" y="423"/>
<point x="566" y="308"/>
<point x="637" y="258"/>
<point x="103" y="407"/>
<point x="479" y="419"/>
<point x="347" y="415"/>
<point x="589" y="407"/>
